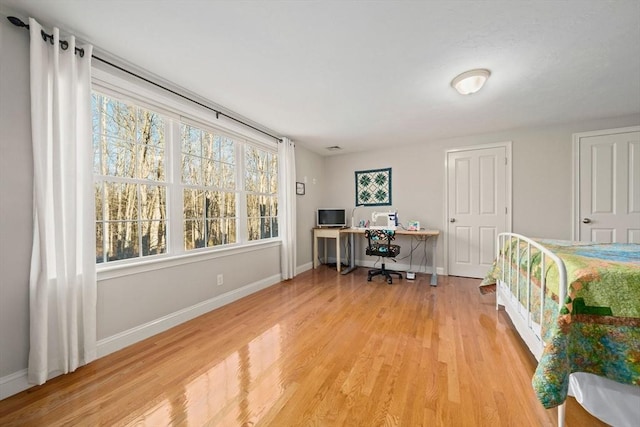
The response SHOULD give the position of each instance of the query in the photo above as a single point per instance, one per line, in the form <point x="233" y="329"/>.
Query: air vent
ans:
<point x="334" y="148"/>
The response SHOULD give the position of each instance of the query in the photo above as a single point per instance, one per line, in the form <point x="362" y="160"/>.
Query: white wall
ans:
<point x="542" y="176"/>
<point x="15" y="198"/>
<point x="309" y="168"/>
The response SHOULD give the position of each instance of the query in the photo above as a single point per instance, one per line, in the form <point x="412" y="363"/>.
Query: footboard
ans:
<point x="519" y="282"/>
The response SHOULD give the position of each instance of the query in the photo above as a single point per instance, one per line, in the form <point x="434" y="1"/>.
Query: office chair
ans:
<point x="380" y="245"/>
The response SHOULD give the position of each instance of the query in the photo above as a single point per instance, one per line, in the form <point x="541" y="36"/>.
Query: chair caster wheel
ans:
<point x="368" y="279"/>
<point x="389" y="281"/>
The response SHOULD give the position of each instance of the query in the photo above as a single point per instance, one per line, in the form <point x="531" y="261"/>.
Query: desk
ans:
<point x="330" y="233"/>
<point x="336" y="233"/>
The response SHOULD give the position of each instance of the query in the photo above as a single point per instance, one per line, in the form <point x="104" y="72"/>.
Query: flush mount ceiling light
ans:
<point x="470" y="81"/>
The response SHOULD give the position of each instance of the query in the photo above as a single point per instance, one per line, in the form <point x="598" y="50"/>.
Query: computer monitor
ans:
<point x="327" y="217"/>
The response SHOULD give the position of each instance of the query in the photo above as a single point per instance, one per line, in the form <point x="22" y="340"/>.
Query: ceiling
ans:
<point x="366" y="74"/>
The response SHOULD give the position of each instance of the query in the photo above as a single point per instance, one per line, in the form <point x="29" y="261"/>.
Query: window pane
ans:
<point x="119" y="119"/>
<point x="191" y="170"/>
<point x="214" y="204"/>
<point x="121" y="238"/>
<point x="253" y="206"/>
<point x="228" y="176"/>
<point x="265" y="206"/>
<point x="96" y="101"/>
<point x="193" y="234"/>
<point x="253" y="228"/>
<point x="265" y="228"/>
<point x="273" y="173"/>
<point x="151" y="163"/>
<point x="121" y="201"/>
<point x="274" y="206"/>
<point x="150" y="128"/>
<point x="154" y="237"/>
<point x="251" y="169"/>
<point x="119" y="156"/>
<point x="228" y="153"/>
<point x="217" y="147"/>
<point x="191" y="143"/>
<point x="212" y="173"/>
<point x="153" y="202"/>
<point x="209" y="149"/>
<point x="99" y="243"/>
<point x="214" y="232"/>
<point x="274" y="227"/>
<point x="97" y="150"/>
<point x="98" y="201"/>
<point x="250" y="181"/>
<point x="231" y="230"/>
<point x="193" y="204"/>
<point x="229" y="204"/>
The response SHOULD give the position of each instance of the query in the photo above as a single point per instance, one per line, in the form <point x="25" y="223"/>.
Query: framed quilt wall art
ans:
<point x="373" y="187"/>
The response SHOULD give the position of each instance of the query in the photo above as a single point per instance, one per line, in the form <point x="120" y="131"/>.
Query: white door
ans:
<point x="609" y="186"/>
<point x="477" y="184"/>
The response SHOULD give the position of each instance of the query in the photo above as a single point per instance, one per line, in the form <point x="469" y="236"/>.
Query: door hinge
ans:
<point x="505" y="161"/>
<point x="505" y="210"/>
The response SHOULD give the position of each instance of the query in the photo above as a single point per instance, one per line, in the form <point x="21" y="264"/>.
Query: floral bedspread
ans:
<point x="597" y="329"/>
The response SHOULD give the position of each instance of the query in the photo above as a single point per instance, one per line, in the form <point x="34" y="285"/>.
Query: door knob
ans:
<point x="452" y="220"/>
<point x="586" y="220"/>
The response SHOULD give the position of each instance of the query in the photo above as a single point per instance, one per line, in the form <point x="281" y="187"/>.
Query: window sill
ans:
<point x="106" y="272"/>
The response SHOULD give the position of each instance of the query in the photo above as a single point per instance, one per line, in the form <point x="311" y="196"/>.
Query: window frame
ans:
<point x="176" y="112"/>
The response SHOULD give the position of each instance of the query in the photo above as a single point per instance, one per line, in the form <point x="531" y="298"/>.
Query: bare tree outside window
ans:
<point x="209" y="188"/>
<point x="261" y="186"/>
<point x="163" y="185"/>
<point x="130" y="188"/>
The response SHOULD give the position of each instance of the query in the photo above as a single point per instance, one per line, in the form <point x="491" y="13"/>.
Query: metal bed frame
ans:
<point x="600" y="396"/>
<point x="521" y="314"/>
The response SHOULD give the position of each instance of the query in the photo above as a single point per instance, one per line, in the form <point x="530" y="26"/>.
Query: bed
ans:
<point x="588" y="346"/>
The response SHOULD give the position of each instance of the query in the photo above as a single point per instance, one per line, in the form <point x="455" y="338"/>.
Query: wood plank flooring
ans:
<point x="320" y="350"/>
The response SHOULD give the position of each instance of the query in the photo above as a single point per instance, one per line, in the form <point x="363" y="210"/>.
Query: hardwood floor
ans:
<point x="320" y="350"/>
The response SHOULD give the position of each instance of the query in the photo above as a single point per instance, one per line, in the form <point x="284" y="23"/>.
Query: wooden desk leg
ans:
<point x="434" y="274"/>
<point x="324" y="245"/>
<point x="315" y="251"/>
<point x="338" y="261"/>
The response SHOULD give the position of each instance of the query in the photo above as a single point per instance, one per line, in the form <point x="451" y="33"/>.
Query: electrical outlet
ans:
<point x="220" y="279"/>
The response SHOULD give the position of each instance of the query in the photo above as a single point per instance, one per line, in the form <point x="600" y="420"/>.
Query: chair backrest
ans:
<point x="379" y="242"/>
<point x="380" y="235"/>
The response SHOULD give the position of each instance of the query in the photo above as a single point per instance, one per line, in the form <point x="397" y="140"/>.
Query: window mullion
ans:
<point x="176" y="224"/>
<point x="241" y="192"/>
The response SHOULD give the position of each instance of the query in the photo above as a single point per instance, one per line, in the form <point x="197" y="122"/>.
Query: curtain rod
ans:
<point x="64" y="45"/>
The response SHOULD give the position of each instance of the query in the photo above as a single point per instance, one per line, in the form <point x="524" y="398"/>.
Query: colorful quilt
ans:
<point x="597" y="329"/>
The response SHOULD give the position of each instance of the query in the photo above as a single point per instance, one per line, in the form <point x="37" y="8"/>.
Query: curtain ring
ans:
<point x="64" y="44"/>
<point x="46" y="36"/>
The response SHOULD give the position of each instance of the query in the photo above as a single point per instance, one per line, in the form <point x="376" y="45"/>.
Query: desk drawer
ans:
<point x="333" y="233"/>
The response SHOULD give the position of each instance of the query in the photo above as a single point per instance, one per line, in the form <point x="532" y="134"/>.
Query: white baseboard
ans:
<point x="15" y="383"/>
<point x="304" y="267"/>
<point x="126" y="338"/>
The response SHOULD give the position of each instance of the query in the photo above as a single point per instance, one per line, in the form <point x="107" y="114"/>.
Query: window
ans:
<point x="209" y="188"/>
<point x="130" y="180"/>
<point x="167" y="187"/>
<point x="261" y="185"/>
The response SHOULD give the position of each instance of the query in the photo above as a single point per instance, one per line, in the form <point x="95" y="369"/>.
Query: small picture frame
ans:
<point x="300" y="188"/>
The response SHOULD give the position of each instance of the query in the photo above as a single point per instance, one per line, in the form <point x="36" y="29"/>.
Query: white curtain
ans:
<point x="63" y="272"/>
<point x="287" y="207"/>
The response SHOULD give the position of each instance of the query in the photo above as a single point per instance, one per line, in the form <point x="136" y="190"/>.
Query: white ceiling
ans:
<point x="365" y="74"/>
